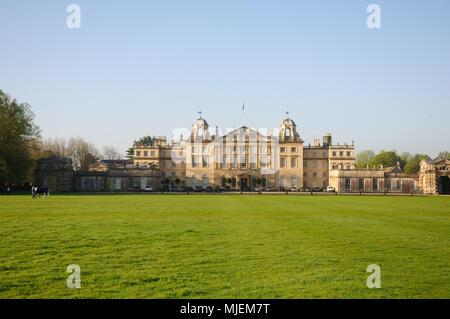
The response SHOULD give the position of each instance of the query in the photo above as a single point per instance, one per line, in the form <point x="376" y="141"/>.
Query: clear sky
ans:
<point x="146" y="67"/>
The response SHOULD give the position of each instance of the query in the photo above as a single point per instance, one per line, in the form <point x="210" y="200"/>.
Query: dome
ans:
<point x="289" y="122"/>
<point x="201" y="122"/>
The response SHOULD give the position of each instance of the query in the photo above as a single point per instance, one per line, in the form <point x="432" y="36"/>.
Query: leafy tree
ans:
<point x="363" y="158"/>
<point x="445" y="154"/>
<point x="405" y="158"/>
<point x="146" y="140"/>
<point x="413" y="165"/>
<point x="18" y="139"/>
<point x="387" y="159"/>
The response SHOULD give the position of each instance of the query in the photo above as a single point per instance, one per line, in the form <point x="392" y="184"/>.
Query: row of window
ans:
<point x="341" y="153"/>
<point x="314" y="164"/>
<point x="314" y="174"/>
<point x="375" y="186"/>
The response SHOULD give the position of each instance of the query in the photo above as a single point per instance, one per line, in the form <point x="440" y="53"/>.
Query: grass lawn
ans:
<point x="224" y="246"/>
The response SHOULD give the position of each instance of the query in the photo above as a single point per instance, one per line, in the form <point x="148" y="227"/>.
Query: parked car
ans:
<point x="330" y="189"/>
<point x="258" y="189"/>
<point x="317" y="189"/>
<point x="267" y="189"/>
<point x="293" y="189"/>
<point x="281" y="189"/>
<point x="148" y="189"/>
<point x="209" y="189"/>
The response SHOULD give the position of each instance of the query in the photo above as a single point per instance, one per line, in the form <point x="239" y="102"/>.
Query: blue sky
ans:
<point x="146" y="67"/>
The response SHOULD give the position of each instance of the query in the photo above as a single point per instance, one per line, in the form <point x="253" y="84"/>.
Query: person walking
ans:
<point x="8" y="190"/>
<point x="33" y="193"/>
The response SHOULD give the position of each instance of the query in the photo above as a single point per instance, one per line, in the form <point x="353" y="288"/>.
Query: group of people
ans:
<point x="37" y="191"/>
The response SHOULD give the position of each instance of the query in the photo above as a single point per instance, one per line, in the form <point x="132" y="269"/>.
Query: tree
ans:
<point x="81" y="152"/>
<point x="18" y="139"/>
<point x="405" y="158"/>
<point x="445" y="155"/>
<point x="363" y="158"/>
<point x="413" y="165"/>
<point x="111" y="153"/>
<point x="387" y="159"/>
<point x="146" y="140"/>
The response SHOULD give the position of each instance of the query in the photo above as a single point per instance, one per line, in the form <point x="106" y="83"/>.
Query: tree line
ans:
<point x="21" y="145"/>
<point x="409" y="163"/>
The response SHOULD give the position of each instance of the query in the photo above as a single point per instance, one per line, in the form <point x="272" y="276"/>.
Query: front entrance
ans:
<point x="444" y="185"/>
<point x="244" y="182"/>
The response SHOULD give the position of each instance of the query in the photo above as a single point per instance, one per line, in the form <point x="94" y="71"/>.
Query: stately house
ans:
<point x="241" y="159"/>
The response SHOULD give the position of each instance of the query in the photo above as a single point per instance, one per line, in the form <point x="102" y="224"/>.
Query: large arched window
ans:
<point x="194" y="181"/>
<point x="204" y="182"/>
<point x="282" y="181"/>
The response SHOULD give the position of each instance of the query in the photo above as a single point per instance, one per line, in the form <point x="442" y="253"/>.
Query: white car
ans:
<point x="148" y="189"/>
<point x="330" y="189"/>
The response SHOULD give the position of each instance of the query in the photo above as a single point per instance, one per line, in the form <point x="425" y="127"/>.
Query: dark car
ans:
<point x="209" y="189"/>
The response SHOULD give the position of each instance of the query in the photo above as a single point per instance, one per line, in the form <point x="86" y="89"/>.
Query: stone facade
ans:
<point x="376" y="180"/>
<point x="241" y="160"/>
<point x="434" y="176"/>
<point x="55" y="173"/>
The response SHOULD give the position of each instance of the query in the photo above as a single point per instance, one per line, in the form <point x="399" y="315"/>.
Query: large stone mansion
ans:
<point x="239" y="160"/>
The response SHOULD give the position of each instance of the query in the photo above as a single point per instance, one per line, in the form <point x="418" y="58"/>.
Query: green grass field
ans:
<point x="224" y="246"/>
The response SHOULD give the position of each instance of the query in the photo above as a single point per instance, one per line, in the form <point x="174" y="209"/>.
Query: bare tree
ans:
<point x="111" y="153"/>
<point x="82" y="153"/>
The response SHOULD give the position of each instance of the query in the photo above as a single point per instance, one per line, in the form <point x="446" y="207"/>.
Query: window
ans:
<point x="233" y="182"/>
<point x="152" y="153"/>
<point x="399" y="185"/>
<point x="314" y="164"/>
<point x="253" y="161"/>
<point x="174" y="164"/>
<point x="314" y="154"/>
<point x="282" y="162"/>
<point x="253" y="150"/>
<point x="282" y="149"/>
<point x="264" y="182"/>
<point x="314" y="174"/>
<point x="293" y="162"/>
<point x="341" y="153"/>
<point x="324" y="184"/>
<point x="138" y="153"/>
<point x="282" y="181"/>
<point x="224" y="181"/>
<point x="163" y="153"/>
<point x="347" y="184"/>
<point x="388" y="185"/>
<point x="324" y="164"/>
<point x="334" y="153"/>
<point x="324" y="174"/>
<point x="204" y="182"/>
<point x="412" y="185"/>
<point x="163" y="174"/>
<point x="305" y="164"/>
<point x="205" y="161"/>
<point x="234" y="161"/>
<point x="324" y="154"/>
<point x="361" y="183"/>
<point x="293" y="150"/>
<point x="293" y="181"/>
<point x="243" y="161"/>
<point x="194" y="182"/>
<point x="375" y="184"/>
<point x="163" y="164"/>
<point x="205" y="149"/>
<point x="288" y="132"/>
<point x="305" y="174"/>
<point x="349" y="153"/>
<point x="145" y="153"/>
